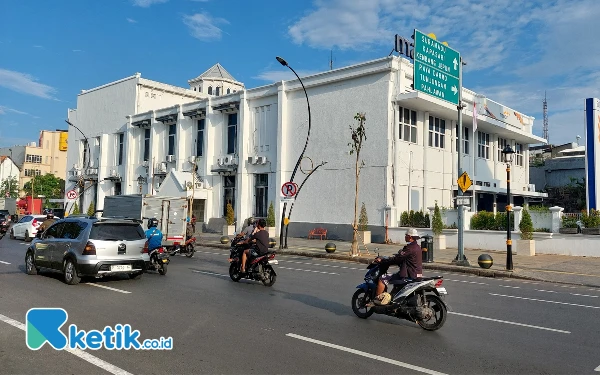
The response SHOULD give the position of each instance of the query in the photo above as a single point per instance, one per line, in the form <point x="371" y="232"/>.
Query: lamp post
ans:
<point x="284" y="63"/>
<point x="508" y="159"/>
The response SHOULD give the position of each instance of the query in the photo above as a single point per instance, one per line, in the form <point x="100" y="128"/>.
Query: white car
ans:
<point x="27" y="227"/>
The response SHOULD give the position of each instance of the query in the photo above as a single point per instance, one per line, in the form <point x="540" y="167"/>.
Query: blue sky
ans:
<point x="516" y="50"/>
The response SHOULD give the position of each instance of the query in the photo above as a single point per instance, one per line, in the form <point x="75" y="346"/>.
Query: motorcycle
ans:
<point x="419" y="300"/>
<point x="187" y="249"/>
<point x="159" y="259"/>
<point x="260" y="268"/>
<point x="4" y="225"/>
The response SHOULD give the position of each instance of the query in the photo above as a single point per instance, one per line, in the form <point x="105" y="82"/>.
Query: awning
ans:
<point x="227" y="107"/>
<point x="224" y="169"/>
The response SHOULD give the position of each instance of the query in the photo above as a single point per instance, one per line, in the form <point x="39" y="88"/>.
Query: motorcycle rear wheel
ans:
<point x="359" y="299"/>
<point x="190" y="251"/>
<point x="163" y="269"/>
<point x="234" y="272"/>
<point x="271" y="277"/>
<point x="440" y="314"/>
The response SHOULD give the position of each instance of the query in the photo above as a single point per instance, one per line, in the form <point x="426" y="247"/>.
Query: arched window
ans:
<point x="218" y="90"/>
<point x="194" y="89"/>
<point x="229" y="91"/>
<point x="209" y="90"/>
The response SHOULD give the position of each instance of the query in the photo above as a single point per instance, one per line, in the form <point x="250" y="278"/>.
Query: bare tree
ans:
<point x="358" y="137"/>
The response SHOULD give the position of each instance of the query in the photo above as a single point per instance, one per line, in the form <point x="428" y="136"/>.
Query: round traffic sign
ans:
<point x="72" y="194"/>
<point x="289" y="189"/>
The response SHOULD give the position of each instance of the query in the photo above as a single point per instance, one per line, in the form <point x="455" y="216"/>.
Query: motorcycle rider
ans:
<point x="409" y="258"/>
<point x="250" y="229"/>
<point x="190" y="228"/>
<point x="48" y="222"/>
<point x="260" y="239"/>
<point x="154" y="235"/>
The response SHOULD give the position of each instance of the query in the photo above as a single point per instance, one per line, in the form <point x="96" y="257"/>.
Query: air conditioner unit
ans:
<point x="230" y="160"/>
<point x="76" y="173"/>
<point x="170" y="158"/>
<point x="161" y="167"/>
<point x="92" y="171"/>
<point x="262" y="160"/>
<point x="220" y="161"/>
<point x="252" y="159"/>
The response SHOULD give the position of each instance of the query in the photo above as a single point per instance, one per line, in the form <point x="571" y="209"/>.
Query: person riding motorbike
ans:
<point x="190" y="228"/>
<point x="260" y="240"/>
<point x="250" y="229"/>
<point x="47" y="223"/>
<point x="154" y="235"/>
<point x="409" y="258"/>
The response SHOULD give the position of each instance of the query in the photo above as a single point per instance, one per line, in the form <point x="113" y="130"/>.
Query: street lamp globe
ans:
<point x="140" y="180"/>
<point x="508" y="154"/>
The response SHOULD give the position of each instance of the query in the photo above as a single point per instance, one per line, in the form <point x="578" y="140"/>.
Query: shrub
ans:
<point x="437" y="224"/>
<point x="76" y="209"/>
<point x="569" y="222"/>
<point x="526" y="226"/>
<point x="230" y="216"/>
<point x="91" y="209"/>
<point x="591" y="220"/>
<point x="404" y="219"/>
<point x="271" y="216"/>
<point x="363" y="220"/>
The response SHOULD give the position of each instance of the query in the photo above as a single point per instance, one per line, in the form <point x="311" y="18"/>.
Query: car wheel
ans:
<point x="30" y="267"/>
<point x="70" y="273"/>
<point x="27" y="238"/>
<point x="12" y="235"/>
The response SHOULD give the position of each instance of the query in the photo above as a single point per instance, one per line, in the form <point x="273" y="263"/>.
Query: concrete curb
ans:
<point x="429" y="266"/>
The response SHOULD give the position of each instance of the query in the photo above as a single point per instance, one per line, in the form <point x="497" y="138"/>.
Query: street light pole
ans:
<point x="284" y="63"/>
<point x="508" y="155"/>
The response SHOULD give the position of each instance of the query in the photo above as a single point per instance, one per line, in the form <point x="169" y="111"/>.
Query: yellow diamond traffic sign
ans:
<point x="464" y="182"/>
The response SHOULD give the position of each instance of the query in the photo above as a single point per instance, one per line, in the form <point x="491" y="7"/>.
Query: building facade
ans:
<point x="48" y="155"/>
<point x="8" y="171"/>
<point x="240" y="147"/>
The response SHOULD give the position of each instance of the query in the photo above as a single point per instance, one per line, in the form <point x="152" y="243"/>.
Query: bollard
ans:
<point x="224" y="240"/>
<point x="427" y="247"/>
<point x="485" y="261"/>
<point x="272" y="243"/>
<point x="330" y="247"/>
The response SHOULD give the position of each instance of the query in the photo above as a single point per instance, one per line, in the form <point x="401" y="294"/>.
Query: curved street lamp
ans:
<point x="284" y="63"/>
<point x="508" y="154"/>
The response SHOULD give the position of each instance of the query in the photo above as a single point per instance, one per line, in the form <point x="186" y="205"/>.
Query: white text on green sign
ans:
<point x="435" y="54"/>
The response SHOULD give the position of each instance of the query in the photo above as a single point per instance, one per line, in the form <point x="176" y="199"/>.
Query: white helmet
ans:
<point x="412" y="232"/>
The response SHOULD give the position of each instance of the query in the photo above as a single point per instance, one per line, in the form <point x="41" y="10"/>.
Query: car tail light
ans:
<point x="145" y="249"/>
<point x="438" y="283"/>
<point x="35" y="223"/>
<point x="89" y="249"/>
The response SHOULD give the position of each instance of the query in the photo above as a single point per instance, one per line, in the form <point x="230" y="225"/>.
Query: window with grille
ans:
<point x="37" y="159"/>
<point x="483" y="145"/>
<point x="261" y="186"/>
<point x="146" y="144"/>
<point x="437" y="132"/>
<point x="519" y="154"/>
<point x="465" y="140"/>
<point x="121" y="147"/>
<point x="501" y="146"/>
<point x="172" y="135"/>
<point x="200" y="138"/>
<point x="232" y="133"/>
<point x="407" y="127"/>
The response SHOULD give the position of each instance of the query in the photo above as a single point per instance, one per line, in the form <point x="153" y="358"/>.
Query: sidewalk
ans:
<point x="552" y="268"/>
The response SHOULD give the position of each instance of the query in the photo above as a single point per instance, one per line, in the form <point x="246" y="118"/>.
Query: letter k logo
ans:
<point x="43" y="324"/>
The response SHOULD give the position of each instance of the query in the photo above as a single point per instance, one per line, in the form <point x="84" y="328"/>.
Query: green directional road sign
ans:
<point x="436" y="68"/>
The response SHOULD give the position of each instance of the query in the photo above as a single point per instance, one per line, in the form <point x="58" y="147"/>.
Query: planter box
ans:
<point x="272" y="233"/>
<point x="591" y="231"/>
<point x="567" y="230"/>
<point x="526" y="247"/>
<point x="228" y="230"/>
<point x="364" y="237"/>
<point x="439" y="242"/>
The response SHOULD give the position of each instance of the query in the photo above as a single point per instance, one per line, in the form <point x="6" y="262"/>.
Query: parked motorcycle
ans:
<point x="188" y="248"/>
<point x="260" y="268"/>
<point x="420" y="300"/>
<point x="4" y="225"/>
<point x="159" y="259"/>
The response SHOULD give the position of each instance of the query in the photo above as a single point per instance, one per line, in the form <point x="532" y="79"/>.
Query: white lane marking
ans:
<point x="547" y="291"/>
<point x="4" y="262"/>
<point x="368" y="355"/>
<point x="465" y="281"/>
<point x="541" y="300"/>
<point x="507" y="322"/>
<point x="108" y="287"/>
<point x="299" y="269"/>
<point x="597" y="368"/>
<point x="76" y="352"/>
<point x="210" y="273"/>
<point x="508" y="286"/>
<point x="583" y="295"/>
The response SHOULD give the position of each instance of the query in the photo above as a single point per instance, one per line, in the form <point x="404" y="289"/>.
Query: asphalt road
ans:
<point x="302" y="325"/>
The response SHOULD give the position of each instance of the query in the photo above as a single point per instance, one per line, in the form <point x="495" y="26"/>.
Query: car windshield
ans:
<point x="117" y="232"/>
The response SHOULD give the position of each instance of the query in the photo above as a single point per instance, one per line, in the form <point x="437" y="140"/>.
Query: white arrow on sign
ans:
<point x="454" y="90"/>
<point x="455" y="63"/>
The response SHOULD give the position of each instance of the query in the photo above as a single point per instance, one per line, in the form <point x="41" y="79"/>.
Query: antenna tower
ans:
<point x="331" y="60"/>
<point x="546" y="118"/>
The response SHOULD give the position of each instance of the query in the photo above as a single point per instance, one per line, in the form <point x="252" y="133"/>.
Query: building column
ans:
<point x="128" y="183"/>
<point x="245" y="183"/>
<point x="211" y="207"/>
<point x="282" y="159"/>
<point x="425" y="148"/>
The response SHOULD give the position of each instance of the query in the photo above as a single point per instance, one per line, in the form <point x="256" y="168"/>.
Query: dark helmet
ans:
<point x="152" y="223"/>
<point x="49" y="215"/>
<point x="262" y="223"/>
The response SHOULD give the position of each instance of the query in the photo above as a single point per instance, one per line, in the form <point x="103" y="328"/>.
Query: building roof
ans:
<point x="216" y="71"/>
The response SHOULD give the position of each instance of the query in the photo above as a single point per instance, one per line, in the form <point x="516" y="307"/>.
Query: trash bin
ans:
<point x="427" y="247"/>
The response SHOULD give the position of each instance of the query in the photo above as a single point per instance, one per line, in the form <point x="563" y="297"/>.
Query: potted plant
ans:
<point x="569" y="225"/>
<point x="437" y="226"/>
<point x="271" y="221"/>
<point x="229" y="229"/>
<point x="526" y="245"/>
<point x="363" y="225"/>
<point x="591" y="222"/>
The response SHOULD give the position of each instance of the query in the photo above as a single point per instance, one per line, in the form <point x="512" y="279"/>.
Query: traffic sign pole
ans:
<point x="461" y="260"/>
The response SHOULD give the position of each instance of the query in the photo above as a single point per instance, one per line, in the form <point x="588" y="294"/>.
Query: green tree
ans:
<point x="230" y="216"/>
<point x="91" y="209"/>
<point x="76" y="209"/>
<point x="271" y="216"/>
<point x="526" y="226"/>
<point x="47" y="185"/>
<point x="363" y="220"/>
<point x="437" y="225"/>
<point x="358" y="137"/>
<point x="9" y="185"/>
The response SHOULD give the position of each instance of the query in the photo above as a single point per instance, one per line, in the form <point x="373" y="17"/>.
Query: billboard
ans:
<point x="592" y="150"/>
<point x="63" y="140"/>
<point x="497" y="111"/>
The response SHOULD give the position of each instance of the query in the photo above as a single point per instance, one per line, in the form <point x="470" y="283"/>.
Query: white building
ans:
<point x="9" y="171"/>
<point x="245" y="145"/>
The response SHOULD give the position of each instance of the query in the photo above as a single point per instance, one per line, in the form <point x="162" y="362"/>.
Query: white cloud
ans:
<point x="147" y="3"/>
<point x="281" y="75"/>
<point x="131" y="20"/>
<point x="25" y="84"/>
<point x="77" y="50"/>
<point x="5" y="110"/>
<point x="203" y="27"/>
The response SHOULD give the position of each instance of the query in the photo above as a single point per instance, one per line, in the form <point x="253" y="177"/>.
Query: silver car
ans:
<point x="80" y="247"/>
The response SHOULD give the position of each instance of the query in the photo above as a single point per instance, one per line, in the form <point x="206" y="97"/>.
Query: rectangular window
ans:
<point x="501" y="145"/>
<point x="228" y="193"/>
<point x="407" y="128"/>
<point x="172" y="134"/>
<point x="146" y="144"/>
<point x="121" y="141"/>
<point x="232" y="133"/>
<point x="519" y="154"/>
<point x="261" y="186"/>
<point x="465" y="140"/>
<point x="37" y="159"/>
<point x="200" y="138"/>
<point x="437" y="132"/>
<point x="483" y="145"/>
